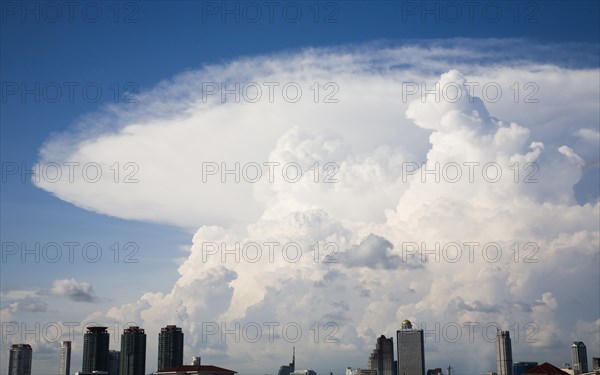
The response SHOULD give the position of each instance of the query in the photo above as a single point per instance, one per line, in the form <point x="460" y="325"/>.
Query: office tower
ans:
<point x="579" y="357"/>
<point x="19" y="361"/>
<point x="287" y="370"/>
<point x="95" y="349"/>
<point x="65" y="358"/>
<point x="595" y="363"/>
<point x="520" y="367"/>
<point x="170" y="347"/>
<point x="133" y="351"/>
<point x="504" y="353"/>
<point x="411" y="350"/>
<point x="114" y="360"/>
<point x="196" y="361"/>
<point x="382" y="358"/>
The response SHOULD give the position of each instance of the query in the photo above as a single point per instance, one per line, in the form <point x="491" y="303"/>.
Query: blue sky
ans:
<point x="135" y="46"/>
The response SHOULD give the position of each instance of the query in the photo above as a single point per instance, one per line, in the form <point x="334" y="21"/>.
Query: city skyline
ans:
<point x="134" y="343"/>
<point x="270" y="175"/>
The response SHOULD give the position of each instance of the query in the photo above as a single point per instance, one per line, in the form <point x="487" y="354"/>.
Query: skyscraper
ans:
<point x="579" y="357"/>
<point x="114" y="361"/>
<point x="411" y="350"/>
<point x="133" y="351"/>
<point x="287" y="370"/>
<point x="170" y="347"/>
<point x="65" y="358"/>
<point x="382" y="358"/>
<point x="95" y="349"/>
<point x="504" y="353"/>
<point x="19" y="361"/>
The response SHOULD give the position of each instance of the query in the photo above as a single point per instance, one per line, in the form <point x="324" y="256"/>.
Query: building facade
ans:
<point x="579" y="357"/>
<point x="504" y="360"/>
<point x="19" y="361"/>
<point x="382" y="358"/>
<point x="95" y="349"/>
<point x="65" y="358"/>
<point x="114" y="362"/>
<point x="133" y="351"/>
<point x="170" y="347"/>
<point x="411" y="350"/>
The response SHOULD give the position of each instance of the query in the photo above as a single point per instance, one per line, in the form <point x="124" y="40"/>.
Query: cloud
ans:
<point x="74" y="290"/>
<point x="440" y="211"/>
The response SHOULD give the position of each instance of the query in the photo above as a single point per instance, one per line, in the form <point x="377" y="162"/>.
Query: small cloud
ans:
<point x="30" y="305"/>
<point x="374" y="252"/>
<point x="74" y="290"/>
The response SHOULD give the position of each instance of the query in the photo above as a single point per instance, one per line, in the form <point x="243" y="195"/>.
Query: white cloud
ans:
<point x="74" y="290"/>
<point x="530" y="244"/>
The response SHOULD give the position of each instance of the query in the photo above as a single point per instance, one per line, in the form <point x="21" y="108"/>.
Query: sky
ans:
<point x="308" y="174"/>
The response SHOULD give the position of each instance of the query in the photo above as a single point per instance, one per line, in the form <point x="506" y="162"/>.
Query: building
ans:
<point x="289" y="369"/>
<point x="595" y="363"/>
<point x="114" y="362"/>
<point x="545" y="369"/>
<point x="520" y="367"/>
<point x="92" y="373"/>
<point x="95" y="349"/>
<point x="435" y="371"/>
<point x="411" y="350"/>
<point x="196" y="370"/>
<point x="170" y="347"/>
<point x="382" y="358"/>
<point x="504" y="360"/>
<point x="579" y="357"/>
<point x="196" y="361"/>
<point x="133" y="351"/>
<point x="65" y="358"/>
<point x="19" y="361"/>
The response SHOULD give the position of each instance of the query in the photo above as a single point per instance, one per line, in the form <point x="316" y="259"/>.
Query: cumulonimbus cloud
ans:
<point x="461" y="199"/>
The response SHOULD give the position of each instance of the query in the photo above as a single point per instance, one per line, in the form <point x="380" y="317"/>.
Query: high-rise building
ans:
<point x="133" y="351"/>
<point x="287" y="370"/>
<point x="579" y="357"/>
<point x="95" y="349"/>
<point x="595" y="363"/>
<point x="411" y="350"/>
<point x="114" y="362"/>
<point x="19" y="361"/>
<point x="170" y="347"/>
<point x="504" y="360"/>
<point x="520" y="367"/>
<point x="382" y="358"/>
<point x="65" y="358"/>
<point x="196" y="361"/>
